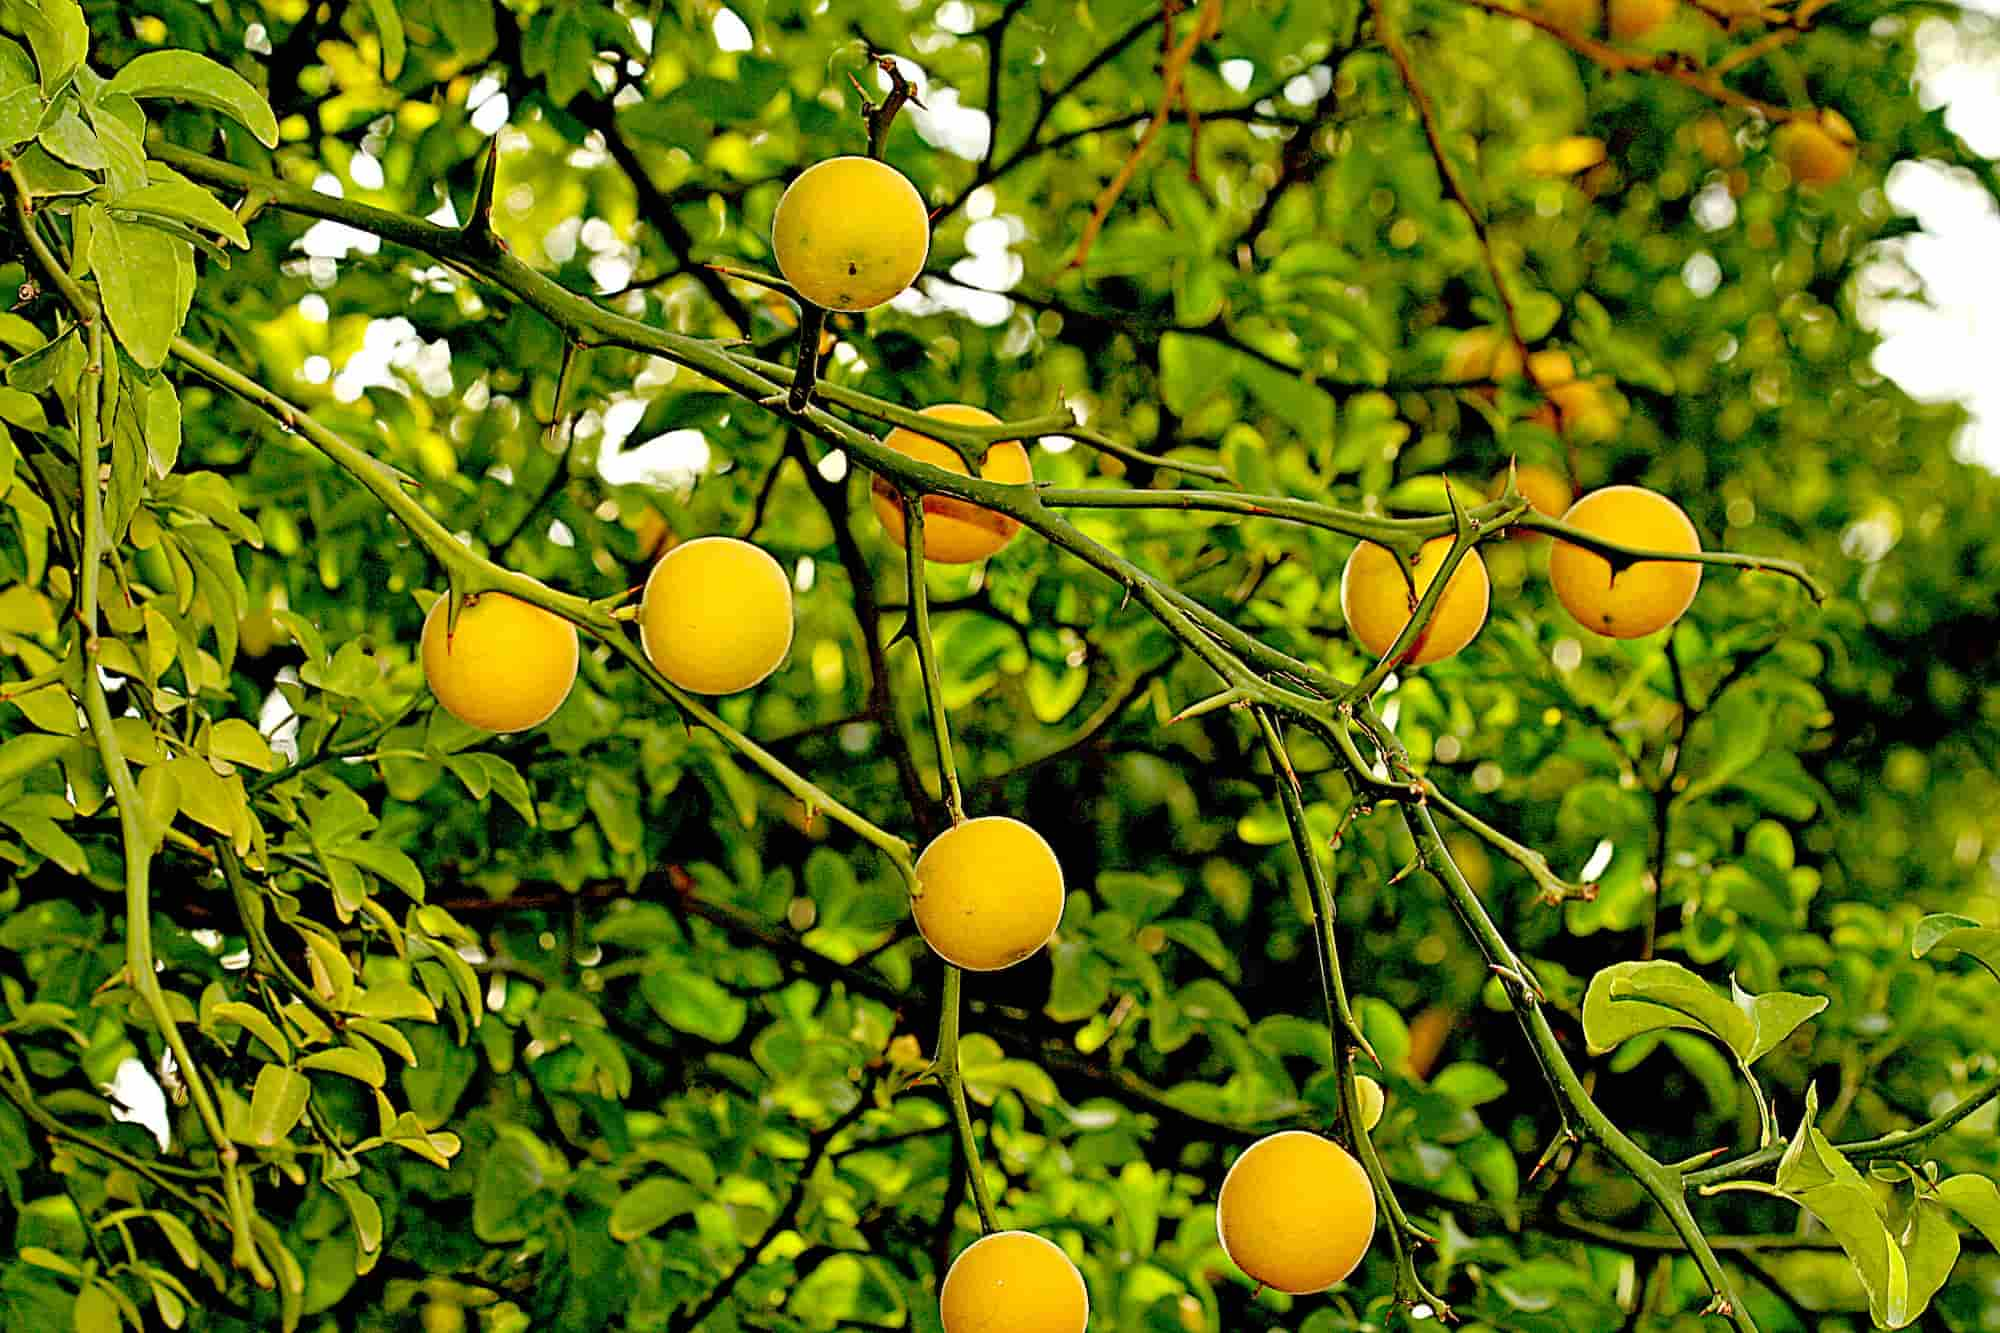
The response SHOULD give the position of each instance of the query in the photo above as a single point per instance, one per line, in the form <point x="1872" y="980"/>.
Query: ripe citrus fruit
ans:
<point x="1632" y="19"/>
<point x="955" y="533"/>
<point x="1296" y="1212"/>
<point x="1013" y="1282"/>
<point x="1547" y="491"/>
<point x="1551" y="366"/>
<point x="1588" y="413"/>
<point x="1816" y="154"/>
<point x="1372" y="1100"/>
<point x="1377" y="602"/>
<point x="1639" y="598"/>
<point x="990" y="892"/>
<point x="850" y="233"/>
<point x="506" y="666"/>
<point x="716" y="616"/>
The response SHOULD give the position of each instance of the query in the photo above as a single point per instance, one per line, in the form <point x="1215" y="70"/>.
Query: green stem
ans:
<point x="476" y="573"/>
<point x="95" y="401"/>
<point x="1860" y="1150"/>
<point x="250" y="910"/>
<point x="805" y="373"/>
<point x="920" y="634"/>
<point x="954" y="1090"/>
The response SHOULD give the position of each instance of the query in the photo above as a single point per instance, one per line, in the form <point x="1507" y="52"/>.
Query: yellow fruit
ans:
<point x="1485" y="353"/>
<point x="1816" y="154"/>
<point x="1013" y="1282"/>
<point x="1547" y="491"/>
<point x="1296" y="1212"/>
<point x="1588" y="413"/>
<point x="1564" y="157"/>
<point x="955" y="533"/>
<point x="1576" y="15"/>
<point x="259" y="632"/>
<point x="1369" y="1093"/>
<point x="1377" y="602"/>
<point x="850" y="233"/>
<point x="716" y="616"/>
<point x="990" y="893"/>
<point x="1551" y="366"/>
<point x="1642" y="597"/>
<point x="1633" y="19"/>
<point x="506" y="666"/>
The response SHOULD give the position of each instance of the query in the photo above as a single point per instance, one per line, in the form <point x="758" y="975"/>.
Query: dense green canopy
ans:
<point x="329" y="309"/>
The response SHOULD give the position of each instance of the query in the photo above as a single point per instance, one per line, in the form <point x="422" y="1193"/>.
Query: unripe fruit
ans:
<point x="1632" y="19"/>
<point x="1816" y="154"/>
<point x="955" y="532"/>
<point x="1369" y="1093"/>
<point x="1013" y="1282"/>
<point x="1640" y="598"/>
<point x="1587" y="412"/>
<point x="990" y="893"/>
<point x="851" y="233"/>
<point x="1377" y="602"/>
<point x="506" y="666"/>
<point x="1296" y="1212"/>
<point x="716" y="616"/>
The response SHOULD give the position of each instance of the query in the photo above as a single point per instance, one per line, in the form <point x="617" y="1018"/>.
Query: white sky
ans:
<point x="1939" y="344"/>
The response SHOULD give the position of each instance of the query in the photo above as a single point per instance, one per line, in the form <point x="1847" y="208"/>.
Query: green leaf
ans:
<point x="96" y="1311"/>
<point x="389" y="25"/>
<point x="1977" y="1200"/>
<point x="212" y="800"/>
<point x="20" y="112"/>
<point x="44" y="836"/>
<point x="59" y="34"/>
<point x="23" y="410"/>
<point x="1930" y="1248"/>
<point x="41" y="175"/>
<point x="391" y="1000"/>
<point x="361" y="1062"/>
<point x="366" y="1213"/>
<point x="391" y="864"/>
<point x="1627" y="999"/>
<point x="1945" y="931"/>
<point x="73" y="141"/>
<point x="22" y="755"/>
<point x="254" y="1021"/>
<point x="236" y="741"/>
<point x="650" y="1205"/>
<point x="179" y="198"/>
<point x="515" y="1170"/>
<point x="145" y="312"/>
<point x="277" y="1104"/>
<point x="694" y="1003"/>
<point x="1774" y="1017"/>
<point x="188" y="77"/>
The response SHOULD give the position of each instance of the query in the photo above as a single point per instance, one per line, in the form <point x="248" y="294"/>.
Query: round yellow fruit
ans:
<point x="1816" y="153"/>
<point x="1639" y="598"/>
<point x="716" y="616"/>
<point x="1373" y="1101"/>
<point x="1013" y="1282"/>
<point x="851" y="233"/>
<point x="1296" y="1212"/>
<point x="955" y="532"/>
<point x="1547" y="492"/>
<point x="1586" y="410"/>
<point x="1377" y="602"/>
<point x="989" y="893"/>
<point x="1551" y="366"/>
<point x="506" y="666"/>
<point x="1632" y="19"/>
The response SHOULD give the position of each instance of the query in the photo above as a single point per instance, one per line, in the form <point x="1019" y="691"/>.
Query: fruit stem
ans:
<point x="920" y="635"/>
<point x="805" y="373"/>
<point x="953" y="1083"/>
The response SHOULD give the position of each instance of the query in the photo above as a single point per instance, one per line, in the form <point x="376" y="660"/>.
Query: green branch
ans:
<point x="953" y="1082"/>
<point x="96" y="398"/>
<point x="927" y="664"/>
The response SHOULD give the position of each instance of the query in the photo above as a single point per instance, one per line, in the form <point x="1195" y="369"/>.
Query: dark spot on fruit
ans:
<point x="851" y="270"/>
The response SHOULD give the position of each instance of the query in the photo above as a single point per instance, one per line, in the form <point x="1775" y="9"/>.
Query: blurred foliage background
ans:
<point x="694" y="1098"/>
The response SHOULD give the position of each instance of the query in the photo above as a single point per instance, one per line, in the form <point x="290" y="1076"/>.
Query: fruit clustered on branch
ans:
<point x="954" y="484"/>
